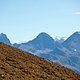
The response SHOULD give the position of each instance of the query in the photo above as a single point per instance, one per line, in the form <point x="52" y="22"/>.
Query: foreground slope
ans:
<point x="18" y="65"/>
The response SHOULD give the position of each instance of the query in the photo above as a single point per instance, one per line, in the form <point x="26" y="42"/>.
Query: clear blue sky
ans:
<point x="23" y="20"/>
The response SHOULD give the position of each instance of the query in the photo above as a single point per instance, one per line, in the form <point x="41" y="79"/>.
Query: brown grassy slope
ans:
<point x="18" y="65"/>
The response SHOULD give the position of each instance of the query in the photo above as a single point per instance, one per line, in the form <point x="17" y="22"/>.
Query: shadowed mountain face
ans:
<point x="18" y="65"/>
<point x="4" y="39"/>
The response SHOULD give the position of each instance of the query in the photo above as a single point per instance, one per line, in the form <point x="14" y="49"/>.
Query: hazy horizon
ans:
<point x="24" y="20"/>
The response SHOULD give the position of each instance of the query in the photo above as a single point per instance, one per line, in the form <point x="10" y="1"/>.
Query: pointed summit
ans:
<point x="3" y="35"/>
<point x="77" y="33"/>
<point x="4" y="39"/>
<point x="44" y="37"/>
<point x="43" y="34"/>
<point x="42" y="41"/>
<point x="74" y="37"/>
<point x="73" y="42"/>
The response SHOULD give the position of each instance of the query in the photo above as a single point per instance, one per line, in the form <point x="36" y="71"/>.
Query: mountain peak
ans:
<point x="78" y="32"/>
<point x="4" y="39"/>
<point x="2" y="34"/>
<point x="43" y="34"/>
<point x="73" y="42"/>
<point x="75" y="36"/>
<point x="42" y="41"/>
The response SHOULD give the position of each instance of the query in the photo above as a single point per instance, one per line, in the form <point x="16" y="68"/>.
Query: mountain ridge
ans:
<point x="46" y="47"/>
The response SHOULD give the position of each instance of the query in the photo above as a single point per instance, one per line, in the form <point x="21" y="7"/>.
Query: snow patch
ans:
<point x="46" y="51"/>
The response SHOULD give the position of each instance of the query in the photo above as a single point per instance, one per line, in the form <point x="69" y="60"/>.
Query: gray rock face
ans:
<point x="4" y="39"/>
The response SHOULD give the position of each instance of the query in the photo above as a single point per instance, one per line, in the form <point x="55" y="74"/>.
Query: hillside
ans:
<point x="18" y="65"/>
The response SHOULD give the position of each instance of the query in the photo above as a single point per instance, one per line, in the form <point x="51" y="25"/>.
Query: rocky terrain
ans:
<point x="19" y="65"/>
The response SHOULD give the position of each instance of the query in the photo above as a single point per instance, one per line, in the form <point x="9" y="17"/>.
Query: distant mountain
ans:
<point x="63" y="52"/>
<point x="42" y="42"/>
<point x="67" y="53"/>
<point x="19" y="65"/>
<point x="73" y="43"/>
<point x="4" y="39"/>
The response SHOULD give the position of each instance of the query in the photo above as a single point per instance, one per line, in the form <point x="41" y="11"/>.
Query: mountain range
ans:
<point x="16" y="64"/>
<point x="64" y="52"/>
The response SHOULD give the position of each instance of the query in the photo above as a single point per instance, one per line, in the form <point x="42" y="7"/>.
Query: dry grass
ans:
<point x="18" y="65"/>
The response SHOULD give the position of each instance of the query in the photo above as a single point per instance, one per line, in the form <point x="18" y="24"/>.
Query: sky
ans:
<point x="23" y="20"/>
